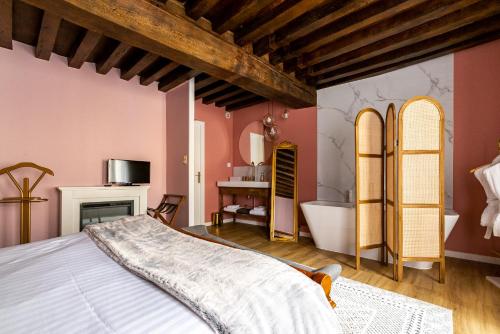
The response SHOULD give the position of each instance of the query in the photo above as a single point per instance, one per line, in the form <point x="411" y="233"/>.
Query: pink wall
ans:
<point x="177" y="119"/>
<point x="72" y="121"/>
<point x="477" y="130"/>
<point x="218" y="151"/>
<point x="300" y="129"/>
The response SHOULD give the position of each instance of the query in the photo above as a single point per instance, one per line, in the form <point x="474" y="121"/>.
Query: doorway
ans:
<point x="199" y="173"/>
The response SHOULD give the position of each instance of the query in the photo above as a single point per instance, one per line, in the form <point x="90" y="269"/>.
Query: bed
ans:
<point x="68" y="284"/>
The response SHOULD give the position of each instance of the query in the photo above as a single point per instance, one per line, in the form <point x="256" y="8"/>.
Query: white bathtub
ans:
<point x="333" y="228"/>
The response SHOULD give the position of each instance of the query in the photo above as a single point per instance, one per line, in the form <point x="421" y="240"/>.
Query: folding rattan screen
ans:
<point x="369" y="133"/>
<point x="421" y="183"/>
<point x="391" y="186"/>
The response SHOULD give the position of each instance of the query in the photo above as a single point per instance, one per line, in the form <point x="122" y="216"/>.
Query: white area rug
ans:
<point x="366" y="309"/>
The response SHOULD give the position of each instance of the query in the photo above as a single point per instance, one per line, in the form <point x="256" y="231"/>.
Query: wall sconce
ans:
<point x="285" y="114"/>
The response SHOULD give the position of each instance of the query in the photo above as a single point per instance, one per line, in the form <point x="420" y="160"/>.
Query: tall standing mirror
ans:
<point x="284" y="194"/>
<point x="253" y="148"/>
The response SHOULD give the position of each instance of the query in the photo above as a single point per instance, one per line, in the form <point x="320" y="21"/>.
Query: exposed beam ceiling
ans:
<point x="141" y="64"/>
<point x="418" y="59"/>
<point x="6" y="24"/>
<point x="198" y="8"/>
<point x="274" y="18"/>
<point x="422" y="14"/>
<point x="307" y="23"/>
<point x="105" y="65"/>
<point x="47" y="36"/>
<point x="235" y="13"/>
<point x="157" y="74"/>
<point x="230" y="46"/>
<point x="84" y="49"/>
<point x="143" y="25"/>
<point x="442" y="25"/>
<point x="176" y="77"/>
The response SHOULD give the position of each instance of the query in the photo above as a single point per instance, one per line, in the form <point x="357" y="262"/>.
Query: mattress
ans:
<point x="68" y="285"/>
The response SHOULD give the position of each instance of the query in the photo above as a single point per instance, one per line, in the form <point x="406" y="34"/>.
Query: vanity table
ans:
<point x="244" y="188"/>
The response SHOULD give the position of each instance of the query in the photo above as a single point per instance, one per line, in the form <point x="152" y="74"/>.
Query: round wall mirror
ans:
<point x="253" y="147"/>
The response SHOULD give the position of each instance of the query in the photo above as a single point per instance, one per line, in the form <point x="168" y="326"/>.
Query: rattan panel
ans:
<point x="370" y="219"/>
<point x="389" y="124"/>
<point x="421" y="181"/>
<point x="390" y="226"/>
<point x="390" y="178"/>
<point x="421" y="235"/>
<point x="370" y="131"/>
<point x="370" y="178"/>
<point x="421" y="126"/>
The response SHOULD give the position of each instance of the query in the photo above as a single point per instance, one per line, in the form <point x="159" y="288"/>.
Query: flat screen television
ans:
<point x="128" y="171"/>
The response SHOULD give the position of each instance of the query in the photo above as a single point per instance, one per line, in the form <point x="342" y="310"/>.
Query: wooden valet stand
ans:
<point x="25" y="198"/>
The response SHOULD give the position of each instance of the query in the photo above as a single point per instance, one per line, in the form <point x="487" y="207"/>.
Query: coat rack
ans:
<point x="25" y="198"/>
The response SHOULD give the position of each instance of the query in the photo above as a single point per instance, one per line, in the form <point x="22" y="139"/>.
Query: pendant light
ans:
<point x="268" y="120"/>
<point x="271" y="130"/>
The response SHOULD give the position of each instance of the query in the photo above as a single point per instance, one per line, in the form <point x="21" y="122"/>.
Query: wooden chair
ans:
<point x="168" y="207"/>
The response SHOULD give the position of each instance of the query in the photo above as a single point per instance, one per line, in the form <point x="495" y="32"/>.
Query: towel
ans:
<point x="232" y="208"/>
<point x="259" y="211"/>
<point x="492" y="177"/>
<point x="491" y="202"/>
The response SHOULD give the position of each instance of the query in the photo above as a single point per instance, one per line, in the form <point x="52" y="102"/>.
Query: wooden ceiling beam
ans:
<point x="422" y="49"/>
<point x="203" y="80"/>
<point x="105" y="65"/>
<point x="234" y="99"/>
<point x="307" y="23"/>
<point x="237" y="13"/>
<point x="422" y="14"/>
<point x="343" y="27"/>
<point x="176" y="78"/>
<point x="6" y="11"/>
<point x="222" y="95"/>
<point x="139" y="66"/>
<point x="153" y="28"/>
<point x="455" y="20"/>
<point x="381" y="70"/>
<point x="246" y="103"/>
<point x="149" y="78"/>
<point x="212" y="89"/>
<point x="198" y="8"/>
<point x="273" y="19"/>
<point x="84" y="49"/>
<point x="47" y="36"/>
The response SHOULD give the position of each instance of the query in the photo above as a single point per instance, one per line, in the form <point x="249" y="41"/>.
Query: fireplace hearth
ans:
<point x="101" y="212"/>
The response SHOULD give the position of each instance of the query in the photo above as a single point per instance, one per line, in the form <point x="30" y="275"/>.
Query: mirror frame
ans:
<point x="267" y="152"/>
<point x="288" y="146"/>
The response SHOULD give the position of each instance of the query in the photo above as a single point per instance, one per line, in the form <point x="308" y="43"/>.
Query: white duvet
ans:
<point x="68" y="285"/>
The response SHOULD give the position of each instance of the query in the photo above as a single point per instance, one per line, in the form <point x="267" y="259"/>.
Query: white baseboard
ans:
<point x="473" y="257"/>
<point x="305" y="234"/>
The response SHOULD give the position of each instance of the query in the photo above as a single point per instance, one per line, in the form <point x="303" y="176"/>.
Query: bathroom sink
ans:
<point x="244" y="184"/>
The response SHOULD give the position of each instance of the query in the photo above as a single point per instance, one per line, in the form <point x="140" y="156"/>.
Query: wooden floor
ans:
<point x="475" y="302"/>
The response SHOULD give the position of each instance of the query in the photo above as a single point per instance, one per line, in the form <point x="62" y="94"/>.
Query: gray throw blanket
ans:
<point x="233" y="290"/>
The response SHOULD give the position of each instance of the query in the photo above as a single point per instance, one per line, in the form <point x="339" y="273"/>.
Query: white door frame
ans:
<point x="191" y="154"/>
<point x="199" y="208"/>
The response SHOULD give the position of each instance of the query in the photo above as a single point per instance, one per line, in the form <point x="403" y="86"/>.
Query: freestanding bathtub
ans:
<point x="333" y="228"/>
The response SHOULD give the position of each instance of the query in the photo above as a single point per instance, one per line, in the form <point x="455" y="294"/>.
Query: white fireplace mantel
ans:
<point x="73" y="197"/>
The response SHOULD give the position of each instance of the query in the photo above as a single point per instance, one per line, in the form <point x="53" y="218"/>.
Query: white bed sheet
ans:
<point x="68" y="285"/>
